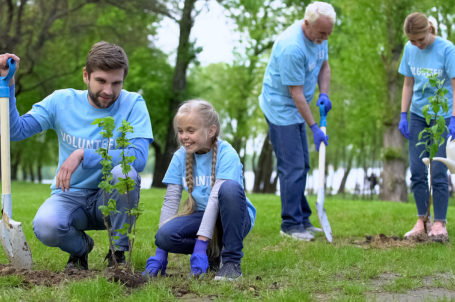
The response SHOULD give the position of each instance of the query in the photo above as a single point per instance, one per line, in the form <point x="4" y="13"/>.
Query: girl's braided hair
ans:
<point x="209" y="117"/>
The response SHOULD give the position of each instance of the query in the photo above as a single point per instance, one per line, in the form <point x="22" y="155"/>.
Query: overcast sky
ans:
<point x="212" y="30"/>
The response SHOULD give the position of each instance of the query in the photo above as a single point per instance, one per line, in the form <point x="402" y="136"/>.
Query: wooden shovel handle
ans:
<point x="5" y="149"/>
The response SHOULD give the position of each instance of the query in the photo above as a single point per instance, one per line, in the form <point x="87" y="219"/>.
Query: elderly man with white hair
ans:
<point x="298" y="61"/>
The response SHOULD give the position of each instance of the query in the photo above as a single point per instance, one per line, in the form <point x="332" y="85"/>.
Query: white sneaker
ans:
<point x="300" y="235"/>
<point x="313" y="230"/>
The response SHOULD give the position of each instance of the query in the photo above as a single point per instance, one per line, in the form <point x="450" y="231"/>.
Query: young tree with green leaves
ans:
<point x="434" y="133"/>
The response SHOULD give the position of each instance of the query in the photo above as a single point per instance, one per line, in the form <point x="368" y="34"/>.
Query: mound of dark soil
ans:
<point x="383" y="241"/>
<point x="48" y="278"/>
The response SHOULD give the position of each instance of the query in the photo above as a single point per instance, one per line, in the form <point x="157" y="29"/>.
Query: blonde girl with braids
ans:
<point x="426" y="50"/>
<point x="216" y="212"/>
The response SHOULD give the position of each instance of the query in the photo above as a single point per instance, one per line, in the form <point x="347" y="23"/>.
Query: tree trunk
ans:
<point x="15" y="160"/>
<point x="39" y="172"/>
<point x="24" y="172"/>
<point x="185" y="54"/>
<point x="264" y="170"/>
<point x="394" y="176"/>
<point x="346" y="174"/>
<point x="32" y="173"/>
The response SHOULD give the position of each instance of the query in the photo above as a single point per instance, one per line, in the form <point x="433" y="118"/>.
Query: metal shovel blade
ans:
<point x="14" y="243"/>
<point x="322" y="216"/>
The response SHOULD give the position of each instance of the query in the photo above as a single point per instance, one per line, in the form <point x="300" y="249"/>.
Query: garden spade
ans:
<point x="322" y="215"/>
<point x="11" y="234"/>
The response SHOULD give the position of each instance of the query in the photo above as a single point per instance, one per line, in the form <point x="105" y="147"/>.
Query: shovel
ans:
<point x="322" y="215"/>
<point x="11" y="234"/>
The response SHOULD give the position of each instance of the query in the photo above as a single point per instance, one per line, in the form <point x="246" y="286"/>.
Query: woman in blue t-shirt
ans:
<point x="216" y="212"/>
<point x="426" y="50"/>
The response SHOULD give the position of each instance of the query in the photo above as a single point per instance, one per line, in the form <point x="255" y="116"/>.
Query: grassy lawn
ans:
<point x="274" y="268"/>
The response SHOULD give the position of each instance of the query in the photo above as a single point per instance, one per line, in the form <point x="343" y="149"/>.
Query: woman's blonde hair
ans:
<point x="417" y="23"/>
<point x="207" y="114"/>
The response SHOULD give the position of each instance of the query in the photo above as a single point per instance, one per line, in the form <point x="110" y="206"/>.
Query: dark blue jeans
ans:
<point x="62" y="218"/>
<point x="419" y="172"/>
<point x="293" y="163"/>
<point x="179" y="234"/>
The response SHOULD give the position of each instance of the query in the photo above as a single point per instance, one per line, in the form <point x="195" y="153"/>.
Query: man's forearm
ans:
<point x="303" y="108"/>
<point x="324" y="78"/>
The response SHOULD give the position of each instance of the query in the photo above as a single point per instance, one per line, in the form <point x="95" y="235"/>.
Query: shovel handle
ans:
<point x="322" y="147"/>
<point x="5" y="148"/>
<point x="5" y="127"/>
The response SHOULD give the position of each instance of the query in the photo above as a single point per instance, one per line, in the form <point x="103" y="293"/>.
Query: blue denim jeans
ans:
<point x="62" y="218"/>
<point x="419" y="172"/>
<point x="179" y="234"/>
<point x="293" y="163"/>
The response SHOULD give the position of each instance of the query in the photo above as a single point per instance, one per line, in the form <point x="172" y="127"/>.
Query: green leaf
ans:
<point x="436" y="108"/>
<point x="433" y="150"/>
<point x="104" y="210"/>
<point x="434" y="129"/>
<point x="422" y="153"/>
<point x="421" y="143"/>
<point x="424" y="86"/>
<point x="426" y="71"/>
<point x="442" y="141"/>
<point x="420" y="135"/>
<point x="116" y="237"/>
<point x="425" y="110"/>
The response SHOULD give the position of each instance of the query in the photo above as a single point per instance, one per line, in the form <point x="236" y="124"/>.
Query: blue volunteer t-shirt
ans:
<point x="294" y="61"/>
<point x="70" y="114"/>
<point x="228" y="166"/>
<point x="439" y="57"/>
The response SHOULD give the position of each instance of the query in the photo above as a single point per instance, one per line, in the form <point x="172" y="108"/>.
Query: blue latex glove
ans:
<point x="324" y="99"/>
<point x="319" y="136"/>
<point x="403" y="125"/>
<point x="452" y="128"/>
<point x="156" y="263"/>
<point x="199" y="260"/>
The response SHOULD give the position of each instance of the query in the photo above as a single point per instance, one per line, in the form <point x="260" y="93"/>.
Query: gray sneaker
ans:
<point x="312" y="229"/>
<point x="230" y="271"/>
<point x="298" y="234"/>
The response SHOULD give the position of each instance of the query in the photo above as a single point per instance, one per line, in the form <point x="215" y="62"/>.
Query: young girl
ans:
<point x="426" y="50"/>
<point x="209" y="169"/>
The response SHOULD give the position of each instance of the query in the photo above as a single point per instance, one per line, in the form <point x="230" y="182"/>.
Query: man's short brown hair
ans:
<point x="106" y="56"/>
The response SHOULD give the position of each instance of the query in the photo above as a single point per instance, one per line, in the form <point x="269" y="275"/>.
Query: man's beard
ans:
<point x="319" y="41"/>
<point x="94" y="97"/>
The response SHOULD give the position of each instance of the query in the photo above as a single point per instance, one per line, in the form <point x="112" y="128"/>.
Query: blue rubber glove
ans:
<point x="199" y="260"/>
<point x="156" y="263"/>
<point x="319" y="136"/>
<point x="403" y="125"/>
<point x="452" y="128"/>
<point x="324" y="99"/>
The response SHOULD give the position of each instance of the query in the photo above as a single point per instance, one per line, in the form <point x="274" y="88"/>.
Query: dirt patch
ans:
<point x="421" y="294"/>
<point x="49" y="278"/>
<point x="383" y="241"/>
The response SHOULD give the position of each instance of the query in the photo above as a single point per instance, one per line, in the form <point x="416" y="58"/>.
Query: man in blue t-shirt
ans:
<point x="298" y="62"/>
<point x="73" y="207"/>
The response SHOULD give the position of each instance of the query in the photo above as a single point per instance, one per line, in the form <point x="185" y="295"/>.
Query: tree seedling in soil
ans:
<point x="108" y="125"/>
<point x="124" y="185"/>
<point x="433" y="134"/>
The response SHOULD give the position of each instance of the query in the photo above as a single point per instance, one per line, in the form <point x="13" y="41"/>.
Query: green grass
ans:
<point x="274" y="268"/>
